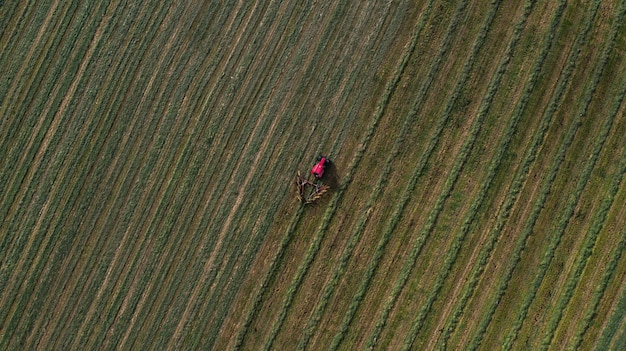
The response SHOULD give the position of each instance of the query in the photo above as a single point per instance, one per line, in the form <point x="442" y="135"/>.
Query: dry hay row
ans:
<point x="328" y="214"/>
<point x="347" y="82"/>
<point x="120" y="250"/>
<point x="117" y="177"/>
<point x="105" y="106"/>
<point x="547" y="117"/>
<point x="87" y="191"/>
<point x="254" y="158"/>
<point x="13" y="61"/>
<point x="210" y="128"/>
<point x="326" y="36"/>
<point x="115" y="134"/>
<point x="184" y="80"/>
<point x="235" y="183"/>
<point x="315" y="245"/>
<point x="455" y="247"/>
<point x="15" y="18"/>
<point x="193" y="168"/>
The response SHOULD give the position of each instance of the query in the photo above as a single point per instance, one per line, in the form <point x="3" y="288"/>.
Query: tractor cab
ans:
<point x="318" y="169"/>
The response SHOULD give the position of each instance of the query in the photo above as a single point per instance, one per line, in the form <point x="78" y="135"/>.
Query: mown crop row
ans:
<point x="188" y="167"/>
<point x="337" y="13"/>
<point x="455" y="246"/>
<point x="468" y="65"/>
<point x="617" y="317"/>
<point x="177" y="189"/>
<point x="586" y="251"/>
<point x="598" y="294"/>
<point x="35" y="243"/>
<point x="23" y="70"/>
<point x="434" y="69"/>
<point x="215" y="135"/>
<point x="235" y="247"/>
<point x="15" y="18"/>
<point x="173" y="219"/>
<point x="231" y="167"/>
<point x="87" y="193"/>
<point x="485" y="253"/>
<point x="598" y="223"/>
<point x="349" y="82"/>
<point x="154" y="126"/>
<point x="344" y="258"/>
<point x="369" y="132"/>
<point x="88" y="187"/>
<point x="24" y="150"/>
<point x="310" y="254"/>
<point x="132" y="168"/>
<point x="555" y="102"/>
<point x="570" y="206"/>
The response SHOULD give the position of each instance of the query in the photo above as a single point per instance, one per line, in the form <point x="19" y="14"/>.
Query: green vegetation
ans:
<point x="148" y="151"/>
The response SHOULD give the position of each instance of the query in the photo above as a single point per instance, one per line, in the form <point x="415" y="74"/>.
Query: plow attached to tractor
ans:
<point x="310" y="191"/>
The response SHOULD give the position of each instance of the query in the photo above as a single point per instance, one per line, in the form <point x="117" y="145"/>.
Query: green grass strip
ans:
<point x="559" y="230"/>
<point x="617" y="318"/>
<point x="472" y="282"/>
<point x="531" y="154"/>
<point x="592" y="309"/>
<point x="592" y="235"/>
<point x="452" y="254"/>
<point x="434" y="69"/>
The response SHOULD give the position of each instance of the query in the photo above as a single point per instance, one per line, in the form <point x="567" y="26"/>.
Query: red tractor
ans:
<point x="318" y="169"/>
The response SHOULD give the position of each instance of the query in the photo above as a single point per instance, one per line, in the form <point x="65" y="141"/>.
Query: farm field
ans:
<point x="148" y="152"/>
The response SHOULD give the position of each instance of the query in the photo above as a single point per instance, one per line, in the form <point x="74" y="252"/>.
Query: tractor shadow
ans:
<point x="331" y="177"/>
